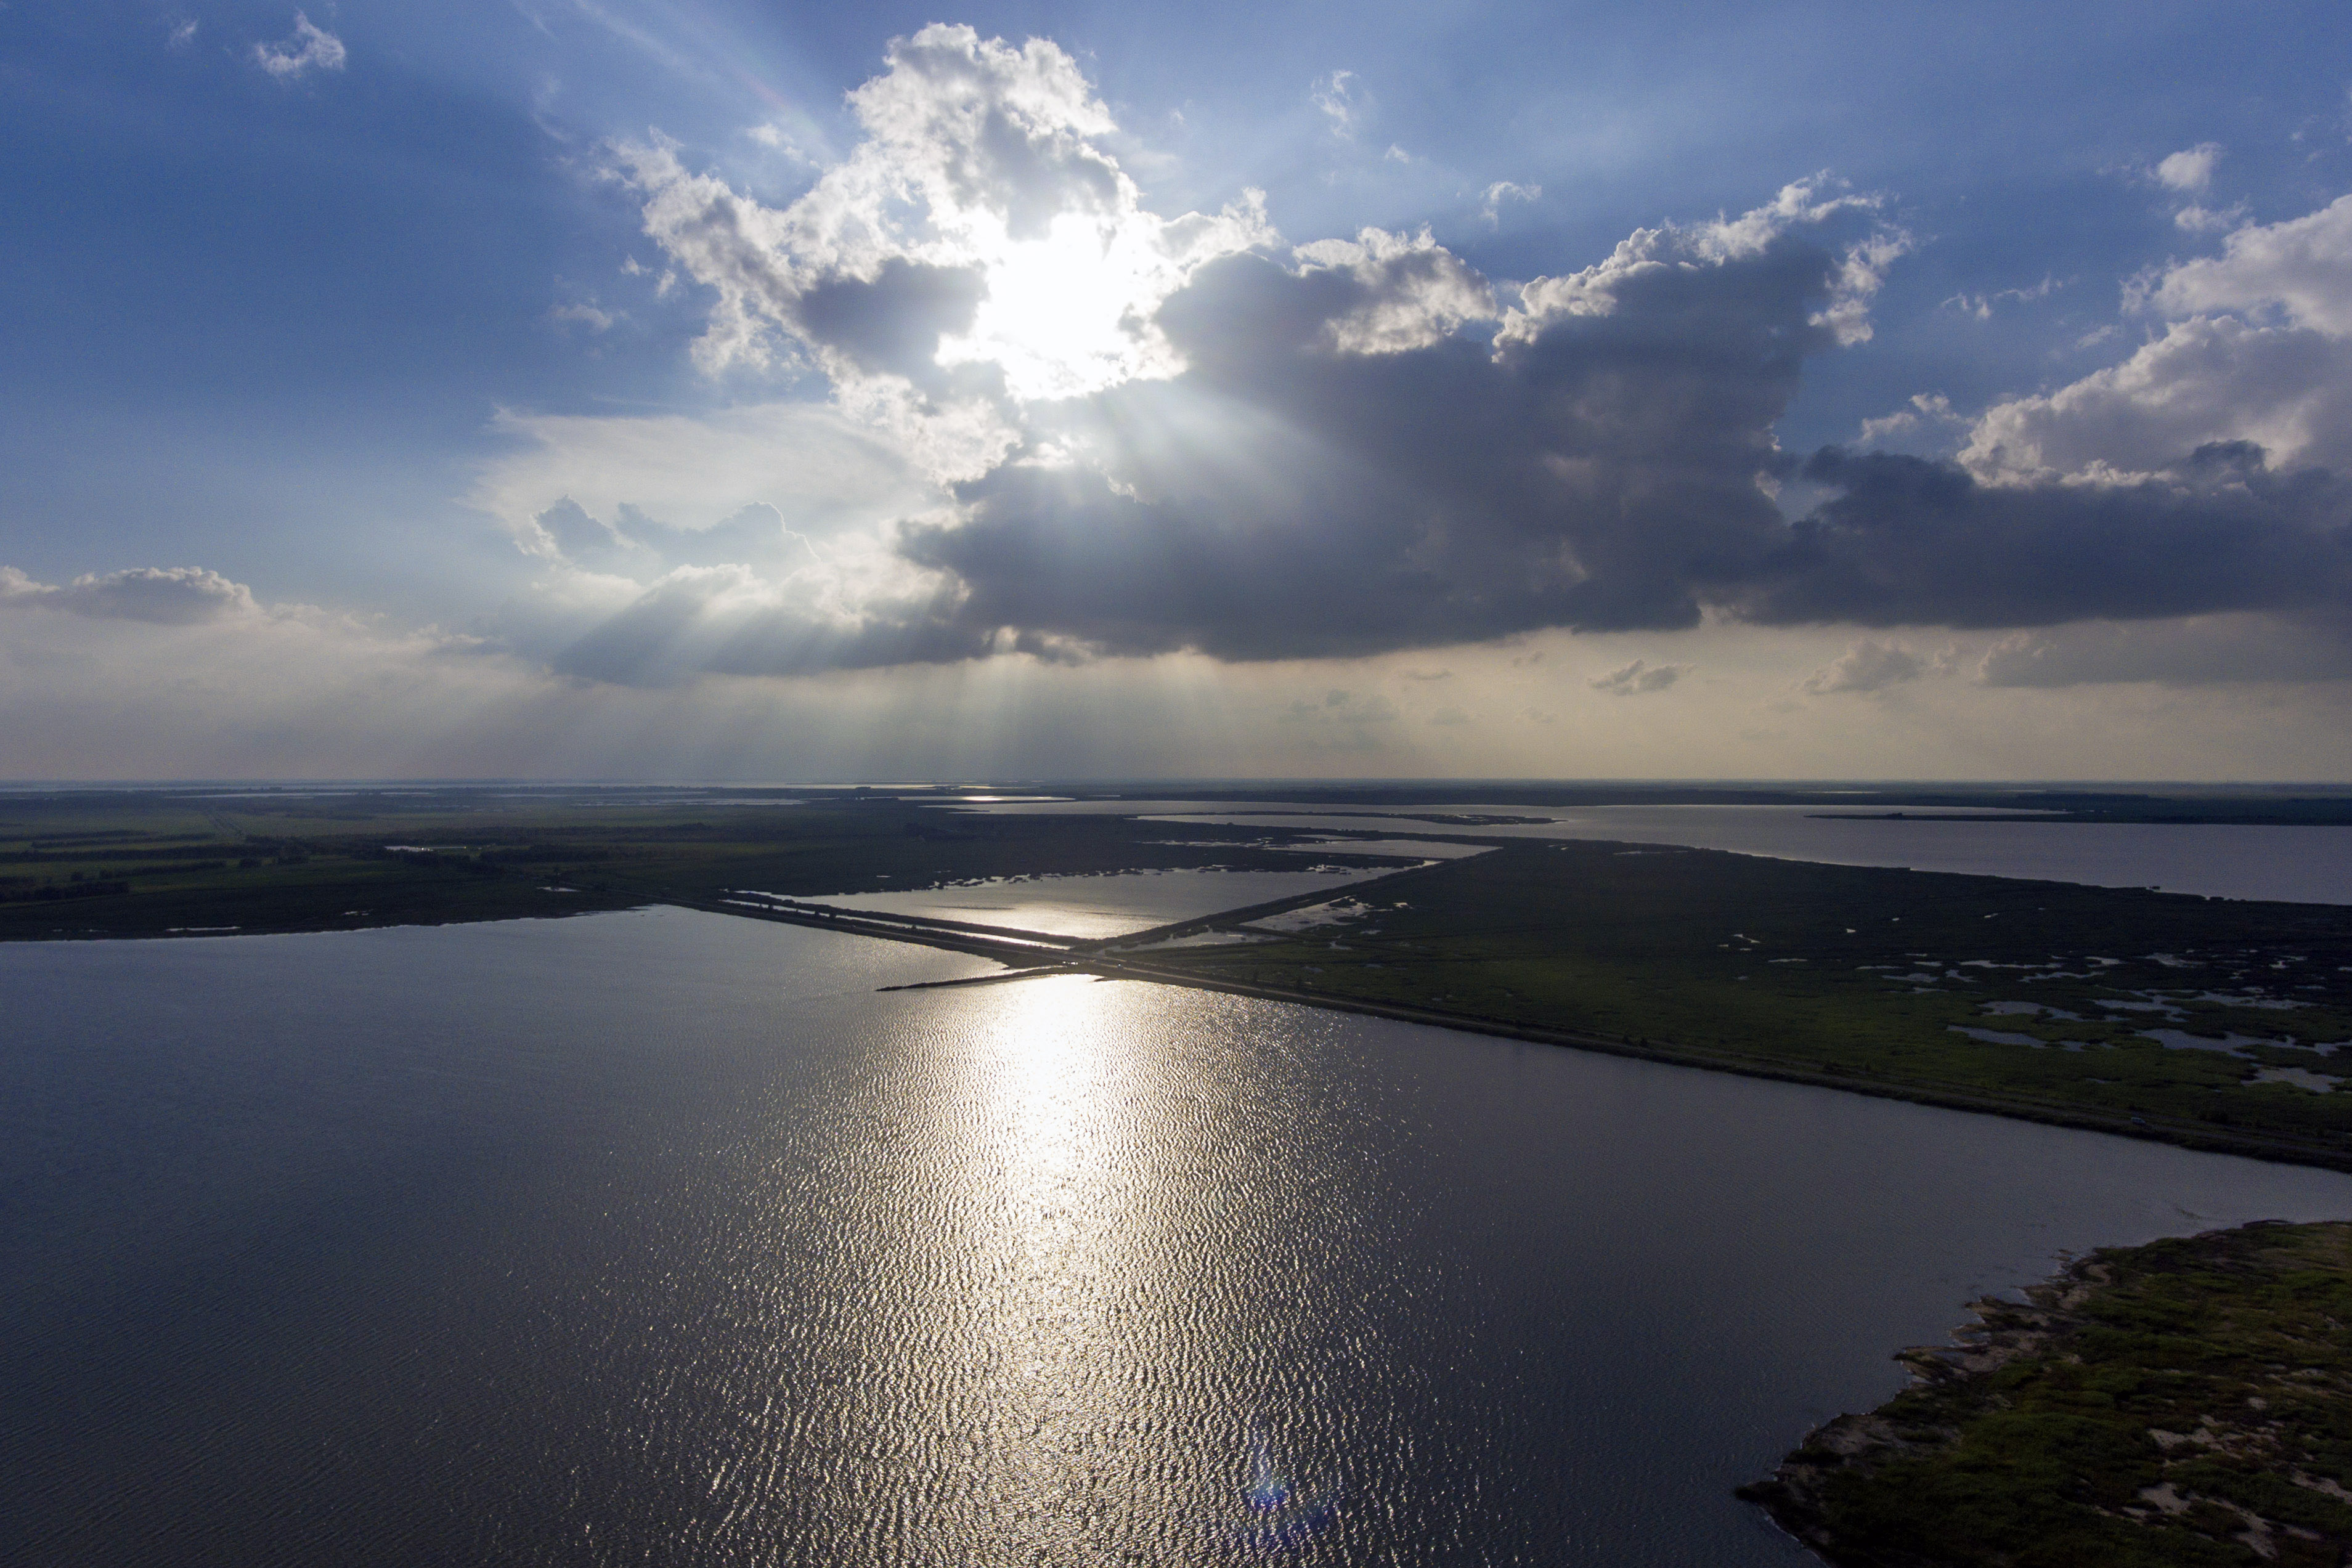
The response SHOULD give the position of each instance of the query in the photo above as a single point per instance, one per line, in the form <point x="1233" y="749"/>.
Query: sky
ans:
<point x="699" y="389"/>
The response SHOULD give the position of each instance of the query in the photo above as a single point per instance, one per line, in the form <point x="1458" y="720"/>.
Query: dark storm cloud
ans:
<point x="1285" y="497"/>
<point x="892" y="323"/>
<point x="1222" y="443"/>
<point x="1910" y="541"/>
<point x="1292" y="495"/>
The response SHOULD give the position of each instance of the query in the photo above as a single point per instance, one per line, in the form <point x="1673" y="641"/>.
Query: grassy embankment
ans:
<point x="1862" y="977"/>
<point x="2187" y="1403"/>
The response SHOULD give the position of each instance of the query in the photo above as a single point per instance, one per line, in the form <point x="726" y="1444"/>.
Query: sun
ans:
<point x="1069" y="313"/>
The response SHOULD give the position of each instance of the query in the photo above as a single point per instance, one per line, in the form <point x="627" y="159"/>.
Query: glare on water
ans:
<point x="667" y="1238"/>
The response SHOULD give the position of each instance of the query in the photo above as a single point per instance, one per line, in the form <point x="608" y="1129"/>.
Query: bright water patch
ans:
<point x="663" y="1239"/>
<point x="1107" y="906"/>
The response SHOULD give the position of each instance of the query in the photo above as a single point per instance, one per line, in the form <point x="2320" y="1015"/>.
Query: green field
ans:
<point x="2187" y="1403"/>
<point x="1865" y="978"/>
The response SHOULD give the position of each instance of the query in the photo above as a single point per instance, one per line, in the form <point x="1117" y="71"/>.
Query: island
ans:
<point x="2188" y="1401"/>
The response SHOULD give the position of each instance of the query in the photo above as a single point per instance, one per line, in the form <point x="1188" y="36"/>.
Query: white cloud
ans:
<point x="2298" y="271"/>
<point x="1415" y="291"/>
<point x="2197" y="220"/>
<point x="181" y="595"/>
<point x="979" y="244"/>
<point x="2258" y="348"/>
<point x="2208" y="379"/>
<point x="2191" y="168"/>
<point x="1982" y="305"/>
<point x="774" y="138"/>
<point x="1638" y="679"/>
<point x="1869" y="666"/>
<point x="1930" y="425"/>
<point x="309" y="47"/>
<point x="1335" y="95"/>
<point x="585" y="315"/>
<point x="982" y="289"/>
<point x="1861" y="270"/>
<point x="1502" y="191"/>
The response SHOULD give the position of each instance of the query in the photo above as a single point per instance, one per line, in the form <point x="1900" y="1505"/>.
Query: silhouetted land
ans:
<point x="150" y="863"/>
<point x="2188" y="1401"/>
<point x="1854" y="976"/>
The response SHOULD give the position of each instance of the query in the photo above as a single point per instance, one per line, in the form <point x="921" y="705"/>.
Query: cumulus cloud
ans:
<point x="1125" y="435"/>
<point x="1910" y="541"/>
<point x="2258" y="348"/>
<point x="310" y="48"/>
<point x="180" y="595"/>
<point x="978" y="243"/>
<point x="1408" y="291"/>
<point x="2203" y="474"/>
<point x="2199" y="220"/>
<point x="1868" y="666"/>
<point x="2298" y="272"/>
<point x="2287" y="390"/>
<point x="2191" y="168"/>
<point x="1158" y="434"/>
<point x="1849" y="283"/>
<point x="1638" y="678"/>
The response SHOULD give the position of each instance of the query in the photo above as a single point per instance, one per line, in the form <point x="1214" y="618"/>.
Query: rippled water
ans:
<point x="663" y="1239"/>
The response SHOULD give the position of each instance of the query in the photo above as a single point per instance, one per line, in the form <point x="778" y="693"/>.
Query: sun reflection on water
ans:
<point x="1099" y="1323"/>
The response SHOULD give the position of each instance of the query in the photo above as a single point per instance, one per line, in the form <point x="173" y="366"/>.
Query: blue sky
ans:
<point x="329" y="304"/>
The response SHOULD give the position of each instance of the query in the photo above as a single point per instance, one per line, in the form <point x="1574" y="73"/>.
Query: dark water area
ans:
<point x="663" y="1239"/>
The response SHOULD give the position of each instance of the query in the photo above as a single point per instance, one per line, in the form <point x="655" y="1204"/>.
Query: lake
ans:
<point x="2296" y="864"/>
<point x="661" y="1238"/>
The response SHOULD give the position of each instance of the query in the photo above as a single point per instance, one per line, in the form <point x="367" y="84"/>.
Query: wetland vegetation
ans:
<point x="2212" y="1021"/>
<point x="2185" y="1402"/>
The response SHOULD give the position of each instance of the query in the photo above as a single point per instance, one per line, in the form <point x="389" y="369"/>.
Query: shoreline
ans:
<point x="1028" y="956"/>
<point x="2152" y="1402"/>
<point x="1027" y="953"/>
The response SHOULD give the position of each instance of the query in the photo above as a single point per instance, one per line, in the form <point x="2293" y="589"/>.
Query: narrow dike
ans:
<point x="1032" y="954"/>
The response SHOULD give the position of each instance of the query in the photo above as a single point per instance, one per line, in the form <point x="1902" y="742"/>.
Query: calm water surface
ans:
<point x="663" y="1239"/>
<point x="2296" y="864"/>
